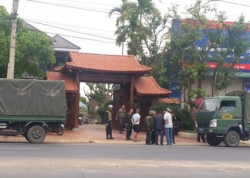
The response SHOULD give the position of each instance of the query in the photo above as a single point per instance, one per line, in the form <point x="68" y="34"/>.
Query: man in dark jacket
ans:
<point x="108" y="119"/>
<point x="159" y="127"/>
<point x="128" y="123"/>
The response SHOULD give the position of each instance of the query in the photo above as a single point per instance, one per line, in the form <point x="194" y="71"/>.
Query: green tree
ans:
<point x="225" y="42"/>
<point x="83" y="99"/>
<point x="189" y="62"/>
<point x="31" y="47"/>
<point x="144" y="29"/>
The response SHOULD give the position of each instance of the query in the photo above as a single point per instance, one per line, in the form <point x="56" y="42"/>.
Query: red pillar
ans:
<point x="77" y="79"/>
<point x="131" y="96"/>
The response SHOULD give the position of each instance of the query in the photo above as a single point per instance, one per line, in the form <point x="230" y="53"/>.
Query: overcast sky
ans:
<point x="92" y="19"/>
<point x="95" y="29"/>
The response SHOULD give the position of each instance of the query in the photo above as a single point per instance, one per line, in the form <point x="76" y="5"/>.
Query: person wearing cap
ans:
<point x="108" y="118"/>
<point x="149" y="123"/>
<point x="121" y="116"/>
<point x="136" y="123"/>
<point x="168" y="125"/>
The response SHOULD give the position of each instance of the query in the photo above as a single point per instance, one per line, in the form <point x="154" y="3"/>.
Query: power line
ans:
<point x="70" y="30"/>
<point x="89" y="39"/>
<point x="73" y="7"/>
<point x="67" y="25"/>
<point x="245" y="5"/>
<point x="84" y="2"/>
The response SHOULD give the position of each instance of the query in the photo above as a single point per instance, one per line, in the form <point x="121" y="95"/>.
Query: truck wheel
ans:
<point x="36" y="134"/>
<point x="212" y="140"/>
<point x="26" y="137"/>
<point x="232" y="139"/>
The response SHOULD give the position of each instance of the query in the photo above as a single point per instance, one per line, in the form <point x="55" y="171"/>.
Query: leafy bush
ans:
<point x="182" y="115"/>
<point x="102" y="109"/>
<point x="186" y="119"/>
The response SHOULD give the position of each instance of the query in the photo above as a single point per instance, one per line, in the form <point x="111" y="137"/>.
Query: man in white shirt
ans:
<point x="136" y="123"/>
<point x="168" y="125"/>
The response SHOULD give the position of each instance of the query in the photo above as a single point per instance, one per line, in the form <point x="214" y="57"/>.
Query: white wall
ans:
<point x="236" y="85"/>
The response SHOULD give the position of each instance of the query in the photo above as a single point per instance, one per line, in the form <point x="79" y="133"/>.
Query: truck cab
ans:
<point x="221" y="119"/>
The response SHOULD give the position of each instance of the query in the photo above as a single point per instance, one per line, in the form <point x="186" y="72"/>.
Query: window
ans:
<point x="209" y="105"/>
<point x="227" y="106"/>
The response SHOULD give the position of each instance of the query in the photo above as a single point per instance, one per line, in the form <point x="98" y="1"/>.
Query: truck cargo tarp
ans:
<point x="32" y="97"/>
<point x="245" y="97"/>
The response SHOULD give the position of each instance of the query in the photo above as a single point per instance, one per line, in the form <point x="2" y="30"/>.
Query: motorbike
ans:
<point x="80" y="120"/>
<point x="56" y="128"/>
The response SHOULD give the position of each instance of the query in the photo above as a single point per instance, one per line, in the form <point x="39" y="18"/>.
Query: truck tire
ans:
<point x="232" y="139"/>
<point x="26" y="137"/>
<point x="36" y="134"/>
<point x="212" y="140"/>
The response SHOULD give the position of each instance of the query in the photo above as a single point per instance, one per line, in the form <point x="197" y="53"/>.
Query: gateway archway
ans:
<point x="116" y="69"/>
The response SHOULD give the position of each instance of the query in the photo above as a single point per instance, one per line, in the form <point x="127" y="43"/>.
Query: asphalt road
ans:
<point x="123" y="161"/>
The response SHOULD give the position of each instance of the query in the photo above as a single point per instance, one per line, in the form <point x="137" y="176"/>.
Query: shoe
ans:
<point x="173" y="142"/>
<point x="112" y="138"/>
<point x="128" y="139"/>
<point x="161" y="143"/>
<point x="156" y="144"/>
<point x="108" y="138"/>
<point x="204" y="142"/>
<point x="198" y="141"/>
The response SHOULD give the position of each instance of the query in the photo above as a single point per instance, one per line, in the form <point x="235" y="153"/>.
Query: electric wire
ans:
<point x="71" y="30"/>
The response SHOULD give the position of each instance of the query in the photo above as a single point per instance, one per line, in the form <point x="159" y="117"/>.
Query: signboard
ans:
<point x="175" y="88"/>
<point x="243" y="65"/>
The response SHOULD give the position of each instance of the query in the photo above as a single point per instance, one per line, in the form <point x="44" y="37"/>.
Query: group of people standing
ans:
<point x="155" y="124"/>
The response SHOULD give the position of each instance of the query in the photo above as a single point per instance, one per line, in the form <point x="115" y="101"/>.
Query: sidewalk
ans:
<point x="94" y="133"/>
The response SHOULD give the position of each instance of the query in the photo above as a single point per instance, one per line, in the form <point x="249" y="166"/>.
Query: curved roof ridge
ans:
<point x="106" y="63"/>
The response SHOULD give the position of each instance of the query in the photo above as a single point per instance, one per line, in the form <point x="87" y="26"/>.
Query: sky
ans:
<point x="88" y="22"/>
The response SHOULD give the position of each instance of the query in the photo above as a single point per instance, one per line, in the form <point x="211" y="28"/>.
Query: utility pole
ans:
<point x="11" y="65"/>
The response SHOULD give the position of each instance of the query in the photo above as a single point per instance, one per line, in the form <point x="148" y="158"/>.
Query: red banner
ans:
<point x="237" y="66"/>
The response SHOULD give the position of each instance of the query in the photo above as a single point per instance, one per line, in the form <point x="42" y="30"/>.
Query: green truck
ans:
<point x="31" y="108"/>
<point x="225" y="118"/>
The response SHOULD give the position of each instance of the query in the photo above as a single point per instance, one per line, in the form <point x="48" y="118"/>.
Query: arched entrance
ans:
<point x="116" y="69"/>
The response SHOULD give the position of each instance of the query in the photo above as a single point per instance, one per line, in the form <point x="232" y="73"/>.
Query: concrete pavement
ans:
<point x="122" y="160"/>
<point x="95" y="133"/>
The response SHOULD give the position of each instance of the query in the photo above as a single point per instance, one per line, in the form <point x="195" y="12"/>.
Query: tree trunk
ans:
<point x="192" y="115"/>
<point x="214" y="90"/>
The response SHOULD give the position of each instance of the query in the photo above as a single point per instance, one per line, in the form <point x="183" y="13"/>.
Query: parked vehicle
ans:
<point x="31" y="107"/>
<point x="225" y="118"/>
<point x="80" y="120"/>
<point x="57" y="128"/>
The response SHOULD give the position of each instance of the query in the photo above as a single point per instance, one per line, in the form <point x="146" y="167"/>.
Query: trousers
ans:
<point x="148" y="135"/>
<point x="109" y="129"/>
<point x="129" y="130"/>
<point x="121" y="124"/>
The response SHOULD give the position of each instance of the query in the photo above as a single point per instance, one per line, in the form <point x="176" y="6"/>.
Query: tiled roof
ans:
<point x="106" y="63"/>
<point x="61" y="42"/>
<point x="169" y="100"/>
<point x="70" y="85"/>
<point x="149" y="87"/>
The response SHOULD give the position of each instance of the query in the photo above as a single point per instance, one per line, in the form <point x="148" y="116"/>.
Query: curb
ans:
<point x="187" y="135"/>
